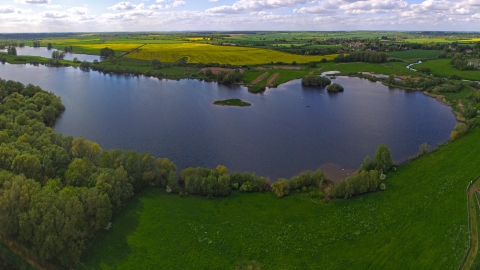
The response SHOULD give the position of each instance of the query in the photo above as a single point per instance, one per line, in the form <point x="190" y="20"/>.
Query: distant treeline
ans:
<point x="364" y="56"/>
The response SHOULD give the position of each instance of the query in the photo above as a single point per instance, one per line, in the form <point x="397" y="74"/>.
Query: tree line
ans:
<point x="362" y="56"/>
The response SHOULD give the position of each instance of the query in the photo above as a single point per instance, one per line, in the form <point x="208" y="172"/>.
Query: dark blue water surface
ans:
<point x="44" y="52"/>
<point x="286" y="130"/>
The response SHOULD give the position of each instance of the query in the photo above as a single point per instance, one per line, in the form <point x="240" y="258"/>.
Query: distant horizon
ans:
<point x="242" y="31"/>
<point x="87" y="16"/>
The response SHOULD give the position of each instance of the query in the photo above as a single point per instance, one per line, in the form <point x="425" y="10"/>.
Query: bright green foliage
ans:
<point x="206" y="182"/>
<point x="383" y="158"/>
<point x="281" y="187"/>
<point x="363" y="182"/>
<point x="458" y="131"/>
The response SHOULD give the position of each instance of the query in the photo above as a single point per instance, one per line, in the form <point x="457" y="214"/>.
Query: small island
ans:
<point x="314" y="80"/>
<point x="335" y="87"/>
<point x="232" y="102"/>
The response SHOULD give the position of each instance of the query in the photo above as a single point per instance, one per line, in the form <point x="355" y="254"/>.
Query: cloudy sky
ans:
<point x="191" y="15"/>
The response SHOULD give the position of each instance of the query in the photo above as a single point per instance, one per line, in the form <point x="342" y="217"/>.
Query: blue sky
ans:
<point x="238" y="15"/>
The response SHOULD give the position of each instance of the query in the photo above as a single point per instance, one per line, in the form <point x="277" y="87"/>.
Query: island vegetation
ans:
<point x="314" y="80"/>
<point x="335" y="87"/>
<point x="232" y="102"/>
<point x="75" y="205"/>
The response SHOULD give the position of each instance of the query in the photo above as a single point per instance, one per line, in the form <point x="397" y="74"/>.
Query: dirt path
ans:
<point x="260" y="78"/>
<point x="26" y="254"/>
<point x="272" y="79"/>
<point x="473" y="207"/>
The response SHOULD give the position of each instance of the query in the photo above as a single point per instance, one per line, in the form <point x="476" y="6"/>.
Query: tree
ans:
<point x="383" y="158"/>
<point x="58" y="55"/>
<point x="423" y="149"/>
<point x="281" y="187"/>
<point x="156" y="64"/>
<point x="12" y="50"/>
<point x="367" y="164"/>
<point x="29" y="165"/>
<point x="49" y="46"/>
<point x="106" y="52"/>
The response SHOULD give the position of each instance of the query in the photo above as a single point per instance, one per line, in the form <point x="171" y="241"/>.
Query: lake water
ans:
<point x="44" y="52"/>
<point x="286" y="130"/>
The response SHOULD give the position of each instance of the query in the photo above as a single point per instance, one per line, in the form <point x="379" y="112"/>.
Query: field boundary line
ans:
<point x="25" y="253"/>
<point x="472" y="220"/>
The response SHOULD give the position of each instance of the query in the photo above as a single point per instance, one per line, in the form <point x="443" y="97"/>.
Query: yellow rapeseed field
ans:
<point x="470" y="40"/>
<point x="121" y="47"/>
<point x="205" y="53"/>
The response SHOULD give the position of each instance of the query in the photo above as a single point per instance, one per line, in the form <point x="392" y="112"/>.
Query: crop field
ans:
<point x="415" y="54"/>
<point x="469" y="40"/>
<point x="71" y="41"/>
<point x="204" y="53"/>
<point x="442" y="67"/>
<point x="429" y="40"/>
<point x="419" y="222"/>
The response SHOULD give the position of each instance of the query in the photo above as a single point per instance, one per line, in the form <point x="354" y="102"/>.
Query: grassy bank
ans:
<point x="442" y="68"/>
<point x="419" y="222"/>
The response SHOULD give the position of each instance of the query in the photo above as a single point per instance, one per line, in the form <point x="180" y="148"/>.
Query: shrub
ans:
<point x="454" y="77"/>
<point x="423" y="149"/>
<point x="256" y="88"/>
<point x="383" y="186"/>
<point x="458" y="131"/>
<point x="281" y="187"/>
<point x="335" y="87"/>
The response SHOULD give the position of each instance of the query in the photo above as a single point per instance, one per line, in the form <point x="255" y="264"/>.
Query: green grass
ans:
<point x="415" y="54"/>
<point x="232" y="102"/>
<point x="419" y="222"/>
<point x="442" y="67"/>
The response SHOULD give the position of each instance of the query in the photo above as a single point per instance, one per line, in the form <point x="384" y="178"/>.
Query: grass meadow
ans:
<point x="442" y="67"/>
<point x="415" y="54"/>
<point x="419" y="222"/>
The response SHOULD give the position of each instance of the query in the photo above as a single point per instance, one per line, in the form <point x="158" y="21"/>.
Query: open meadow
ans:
<point x="419" y="222"/>
<point x="442" y="68"/>
<point x="415" y="54"/>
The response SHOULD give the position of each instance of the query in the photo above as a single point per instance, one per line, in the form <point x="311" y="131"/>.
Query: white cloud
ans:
<point x="54" y="15"/>
<point x="7" y="9"/>
<point x="78" y="10"/>
<point x="125" y="5"/>
<point x="178" y="3"/>
<point x="36" y="2"/>
<point x="247" y="6"/>
<point x="212" y="0"/>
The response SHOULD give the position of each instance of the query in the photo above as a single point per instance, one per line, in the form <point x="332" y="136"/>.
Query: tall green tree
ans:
<point x="383" y="158"/>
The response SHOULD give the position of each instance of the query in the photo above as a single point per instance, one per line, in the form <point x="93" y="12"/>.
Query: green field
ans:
<point x="419" y="222"/>
<point x="442" y="67"/>
<point x="415" y="54"/>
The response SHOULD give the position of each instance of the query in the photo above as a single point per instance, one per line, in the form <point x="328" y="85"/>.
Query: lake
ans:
<point x="287" y="130"/>
<point x="44" y="52"/>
